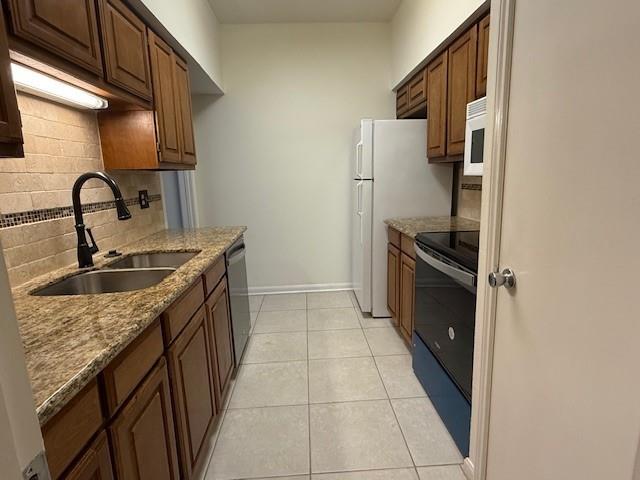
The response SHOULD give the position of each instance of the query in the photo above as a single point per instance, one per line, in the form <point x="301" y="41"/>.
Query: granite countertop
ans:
<point x="414" y="225"/>
<point x="68" y="340"/>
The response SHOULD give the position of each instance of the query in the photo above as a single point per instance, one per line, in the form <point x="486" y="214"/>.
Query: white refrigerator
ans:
<point x="391" y="178"/>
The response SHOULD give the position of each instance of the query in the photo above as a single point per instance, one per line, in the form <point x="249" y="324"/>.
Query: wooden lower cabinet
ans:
<point x="95" y="464"/>
<point x="193" y="388"/>
<point x="220" y="325"/>
<point x="393" y="281"/>
<point x="143" y="433"/>
<point x="407" y="294"/>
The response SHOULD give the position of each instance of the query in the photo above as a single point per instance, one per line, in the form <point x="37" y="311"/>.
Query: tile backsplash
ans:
<point x="469" y="196"/>
<point x="36" y="223"/>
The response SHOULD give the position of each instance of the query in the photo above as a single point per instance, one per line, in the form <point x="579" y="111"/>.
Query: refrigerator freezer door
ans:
<point x="362" y="209"/>
<point x="363" y="151"/>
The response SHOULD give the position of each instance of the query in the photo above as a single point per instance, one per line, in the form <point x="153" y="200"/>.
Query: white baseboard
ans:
<point x="468" y="468"/>
<point x="312" y="287"/>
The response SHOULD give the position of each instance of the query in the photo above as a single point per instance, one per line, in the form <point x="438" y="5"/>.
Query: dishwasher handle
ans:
<point x="236" y="254"/>
<point x="465" y="278"/>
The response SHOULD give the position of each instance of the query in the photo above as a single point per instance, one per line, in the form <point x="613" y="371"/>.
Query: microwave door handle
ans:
<point x="460" y="276"/>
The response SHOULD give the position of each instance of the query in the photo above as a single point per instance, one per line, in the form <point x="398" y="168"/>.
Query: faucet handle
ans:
<point x="93" y="248"/>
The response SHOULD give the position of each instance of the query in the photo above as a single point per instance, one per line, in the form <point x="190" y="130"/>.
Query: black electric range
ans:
<point x="445" y="303"/>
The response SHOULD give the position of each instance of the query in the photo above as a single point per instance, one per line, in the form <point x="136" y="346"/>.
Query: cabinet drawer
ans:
<point x="128" y="369"/>
<point x="407" y="245"/>
<point x="417" y="89"/>
<point x="402" y="100"/>
<point x="214" y="274"/>
<point x="176" y="317"/>
<point x="66" y="434"/>
<point x="394" y="237"/>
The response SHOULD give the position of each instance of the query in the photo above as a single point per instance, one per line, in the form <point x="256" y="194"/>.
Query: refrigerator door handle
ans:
<point x="360" y="197"/>
<point x="359" y="146"/>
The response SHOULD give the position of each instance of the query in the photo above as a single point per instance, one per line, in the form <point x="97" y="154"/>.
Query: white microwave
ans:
<point x="474" y="137"/>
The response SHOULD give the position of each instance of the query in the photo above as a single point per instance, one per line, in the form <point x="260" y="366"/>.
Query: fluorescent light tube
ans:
<point x="36" y="83"/>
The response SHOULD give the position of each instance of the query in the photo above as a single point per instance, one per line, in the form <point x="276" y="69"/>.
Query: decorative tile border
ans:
<point x="32" y="216"/>
<point x="471" y="186"/>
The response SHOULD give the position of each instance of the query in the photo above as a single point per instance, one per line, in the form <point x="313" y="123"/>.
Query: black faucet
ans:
<point x="86" y="251"/>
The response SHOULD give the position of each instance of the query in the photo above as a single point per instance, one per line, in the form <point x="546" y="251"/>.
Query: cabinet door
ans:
<point x="437" y="107"/>
<point x="462" y="88"/>
<point x="402" y="100"/>
<point x="95" y="464"/>
<point x="143" y="434"/>
<point x="165" y="99"/>
<point x="67" y="28"/>
<point x="10" y="122"/>
<point x="483" y="57"/>
<point x="193" y="389"/>
<point x="126" y="52"/>
<point x="393" y="280"/>
<point x="407" y="294"/>
<point x="418" y="89"/>
<point x="220" y="324"/>
<point x="188" y="143"/>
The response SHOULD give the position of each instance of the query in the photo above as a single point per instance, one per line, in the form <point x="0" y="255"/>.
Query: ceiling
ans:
<point x="304" y="11"/>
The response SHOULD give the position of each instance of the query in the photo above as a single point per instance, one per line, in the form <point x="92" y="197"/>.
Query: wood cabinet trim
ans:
<point x="67" y="434"/>
<point x="95" y="464"/>
<point x="128" y="369"/>
<point x="407" y="246"/>
<point x="153" y="393"/>
<point x="116" y="71"/>
<point x="393" y="280"/>
<point x="221" y="335"/>
<point x="188" y="420"/>
<point x="483" y="56"/>
<point x="44" y="33"/>
<point x="176" y="317"/>
<point x="461" y="88"/>
<point x="402" y="100"/>
<point x="407" y="296"/>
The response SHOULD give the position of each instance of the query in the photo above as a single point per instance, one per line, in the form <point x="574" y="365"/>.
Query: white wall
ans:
<point x="419" y="26"/>
<point x="274" y="151"/>
<point x="195" y="26"/>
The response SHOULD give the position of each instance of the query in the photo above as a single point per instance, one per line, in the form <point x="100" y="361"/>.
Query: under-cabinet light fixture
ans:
<point x="41" y="85"/>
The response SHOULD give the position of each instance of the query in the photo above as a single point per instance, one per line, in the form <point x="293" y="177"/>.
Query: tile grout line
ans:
<point x="406" y="444"/>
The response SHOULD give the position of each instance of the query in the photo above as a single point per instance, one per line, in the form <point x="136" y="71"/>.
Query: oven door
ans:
<point x="445" y="302"/>
<point x="474" y="145"/>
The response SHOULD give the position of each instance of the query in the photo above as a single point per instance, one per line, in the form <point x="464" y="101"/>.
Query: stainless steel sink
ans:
<point x="153" y="260"/>
<point x="106" y="281"/>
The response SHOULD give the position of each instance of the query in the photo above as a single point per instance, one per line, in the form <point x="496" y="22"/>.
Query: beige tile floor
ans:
<point x="324" y="393"/>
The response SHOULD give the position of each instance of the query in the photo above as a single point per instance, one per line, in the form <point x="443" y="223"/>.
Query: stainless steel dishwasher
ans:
<point x="239" y="297"/>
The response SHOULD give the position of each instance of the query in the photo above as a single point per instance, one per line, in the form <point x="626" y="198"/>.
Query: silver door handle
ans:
<point x="505" y="278"/>
<point x="237" y="255"/>
<point x="461" y="276"/>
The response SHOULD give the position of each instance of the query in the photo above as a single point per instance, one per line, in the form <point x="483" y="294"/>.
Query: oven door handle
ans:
<point x="461" y="276"/>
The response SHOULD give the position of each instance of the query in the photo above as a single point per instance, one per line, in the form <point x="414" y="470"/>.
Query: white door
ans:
<point x="361" y="239"/>
<point x="565" y="401"/>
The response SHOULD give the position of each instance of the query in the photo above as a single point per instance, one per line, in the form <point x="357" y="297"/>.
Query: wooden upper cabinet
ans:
<point x="187" y="143"/>
<point x="165" y="99"/>
<point x="126" y="53"/>
<point x="483" y="57"/>
<point x="418" y="89"/>
<point x="11" y="143"/>
<point x="220" y="324"/>
<point x="407" y="295"/>
<point x="402" y="100"/>
<point x="437" y="106"/>
<point x="462" y="88"/>
<point x="143" y="434"/>
<point x="193" y="388"/>
<point x="68" y="28"/>
<point x="95" y="464"/>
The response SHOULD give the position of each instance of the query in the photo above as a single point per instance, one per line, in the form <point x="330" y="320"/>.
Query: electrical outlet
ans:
<point x="143" y="198"/>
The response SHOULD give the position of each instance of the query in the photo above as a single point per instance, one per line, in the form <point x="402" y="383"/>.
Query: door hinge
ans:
<point x="37" y="469"/>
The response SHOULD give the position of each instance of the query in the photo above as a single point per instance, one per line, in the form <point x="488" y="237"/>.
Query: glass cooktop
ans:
<point x="461" y="247"/>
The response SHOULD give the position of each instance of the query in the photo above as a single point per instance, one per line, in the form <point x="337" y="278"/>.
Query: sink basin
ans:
<point x="154" y="260"/>
<point x="106" y="281"/>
